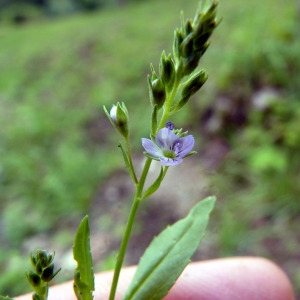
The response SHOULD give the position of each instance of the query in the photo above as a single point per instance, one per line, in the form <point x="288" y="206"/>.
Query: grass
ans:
<point x="56" y="148"/>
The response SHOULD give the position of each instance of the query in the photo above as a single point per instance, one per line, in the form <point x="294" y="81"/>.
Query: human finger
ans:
<point x="245" y="278"/>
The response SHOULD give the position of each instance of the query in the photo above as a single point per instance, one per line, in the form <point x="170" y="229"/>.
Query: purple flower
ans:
<point x="169" y="148"/>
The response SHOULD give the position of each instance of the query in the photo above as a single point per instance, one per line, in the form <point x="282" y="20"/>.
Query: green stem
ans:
<point x="42" y="291"/>
<point x="132" y="214"/>
<point x="123" y="247"/>
<point x="141" y="184"/>
<point x="165" y="172"/>
<point x="168" y="103"/>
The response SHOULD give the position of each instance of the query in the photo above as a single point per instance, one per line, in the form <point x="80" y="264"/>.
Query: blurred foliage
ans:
<point x="21" y="11"/>
<point x="56" y="145"/>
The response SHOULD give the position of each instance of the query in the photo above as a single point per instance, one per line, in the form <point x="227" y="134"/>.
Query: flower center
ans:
<point x="169" y="154"/>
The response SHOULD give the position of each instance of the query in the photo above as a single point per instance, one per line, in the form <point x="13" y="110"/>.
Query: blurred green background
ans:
<point x="60" y="61"/>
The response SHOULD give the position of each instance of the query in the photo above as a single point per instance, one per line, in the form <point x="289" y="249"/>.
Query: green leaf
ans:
<point x="154" y="121"/>
<point x="127" y="162"/>
<point x="168" y="254"/>
<point x="5" y="298"/>
<point x="84" y="273"/>
<point x="153" y="188"/>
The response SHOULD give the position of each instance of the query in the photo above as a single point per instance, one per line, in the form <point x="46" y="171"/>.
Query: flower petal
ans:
<point x="151" y="148"/>
<point x="166" y="138"/>
<point x="170" y="161"/>
<point x="187" y="145"/>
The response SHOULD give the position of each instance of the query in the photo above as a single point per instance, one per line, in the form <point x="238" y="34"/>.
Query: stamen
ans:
<point x="177" y="146"/>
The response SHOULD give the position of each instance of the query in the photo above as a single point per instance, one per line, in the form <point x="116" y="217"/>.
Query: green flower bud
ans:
<point x="33" y="259"/>
<point x="119" y="118"/>
<point x="187" y="45"/>
<point x="33" y="278"/>
<point x="167" y="70"/>
<point x="178" y="38"/>
<point x="191" y="87"/>
<point x="188" y="28"/>
<point x="39" y="268"/>
<point x="194" y="83"/>
<point x="157" y="93"/>
<point x="47" y="274"/>
<point x="42" y="258"/>
<point x="191" y="62"/>
<point x="204" y="25"/>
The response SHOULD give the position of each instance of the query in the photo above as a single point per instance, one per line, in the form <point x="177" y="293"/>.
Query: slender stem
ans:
<point x="123" y="247"/>
<point x="132" y="214"/>
<point x="165" y="172"/>
<point x="143" y="176"/>
<point x="168" y="103"/>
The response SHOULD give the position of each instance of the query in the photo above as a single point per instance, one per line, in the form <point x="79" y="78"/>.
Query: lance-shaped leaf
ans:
<point x="153" y="188"/>
<point x="168" y="254"/>
<point x="84" y="273"/>
<point x="127" y="163"/>
<point x="154" y="122"/>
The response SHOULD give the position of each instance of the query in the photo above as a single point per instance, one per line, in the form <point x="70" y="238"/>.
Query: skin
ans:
<point x="246" y="278"/>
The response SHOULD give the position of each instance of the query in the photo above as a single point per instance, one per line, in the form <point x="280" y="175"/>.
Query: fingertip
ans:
<point x="246" y="278"/>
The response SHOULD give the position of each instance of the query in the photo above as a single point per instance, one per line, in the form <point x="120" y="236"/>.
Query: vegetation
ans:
<point x="24" y="11"/>
<point x="56" y="144"/>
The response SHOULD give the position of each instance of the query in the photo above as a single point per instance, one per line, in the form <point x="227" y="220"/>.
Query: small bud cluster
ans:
<point x="178" y="78"/>
<point x="43" y="273"/>
<point x="191" y="40"/>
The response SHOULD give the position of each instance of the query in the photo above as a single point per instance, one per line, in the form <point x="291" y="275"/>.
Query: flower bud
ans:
<point x="42" y="258"/>
<point x="113" y="113"/>
<point x="170" y="125"/>
<point x="51" y="257"/>
<point x="191" y="62"/>
<point x="33" y="259"/>
<point x="167" y="70"/>
<point x="187" y="45"/>
<point x="47" y="274"/>
<point x="204" y="25"/>
<point x="191" y="87"/>
<point x="178" y="38"/>
<point x="188" y="28"/>
<point x="194" y="83"/>
<point x="33" y="278"/>
<point x="118" y="117"/>
<point x="39" y="268"/>
<point x="157" y="92"/>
